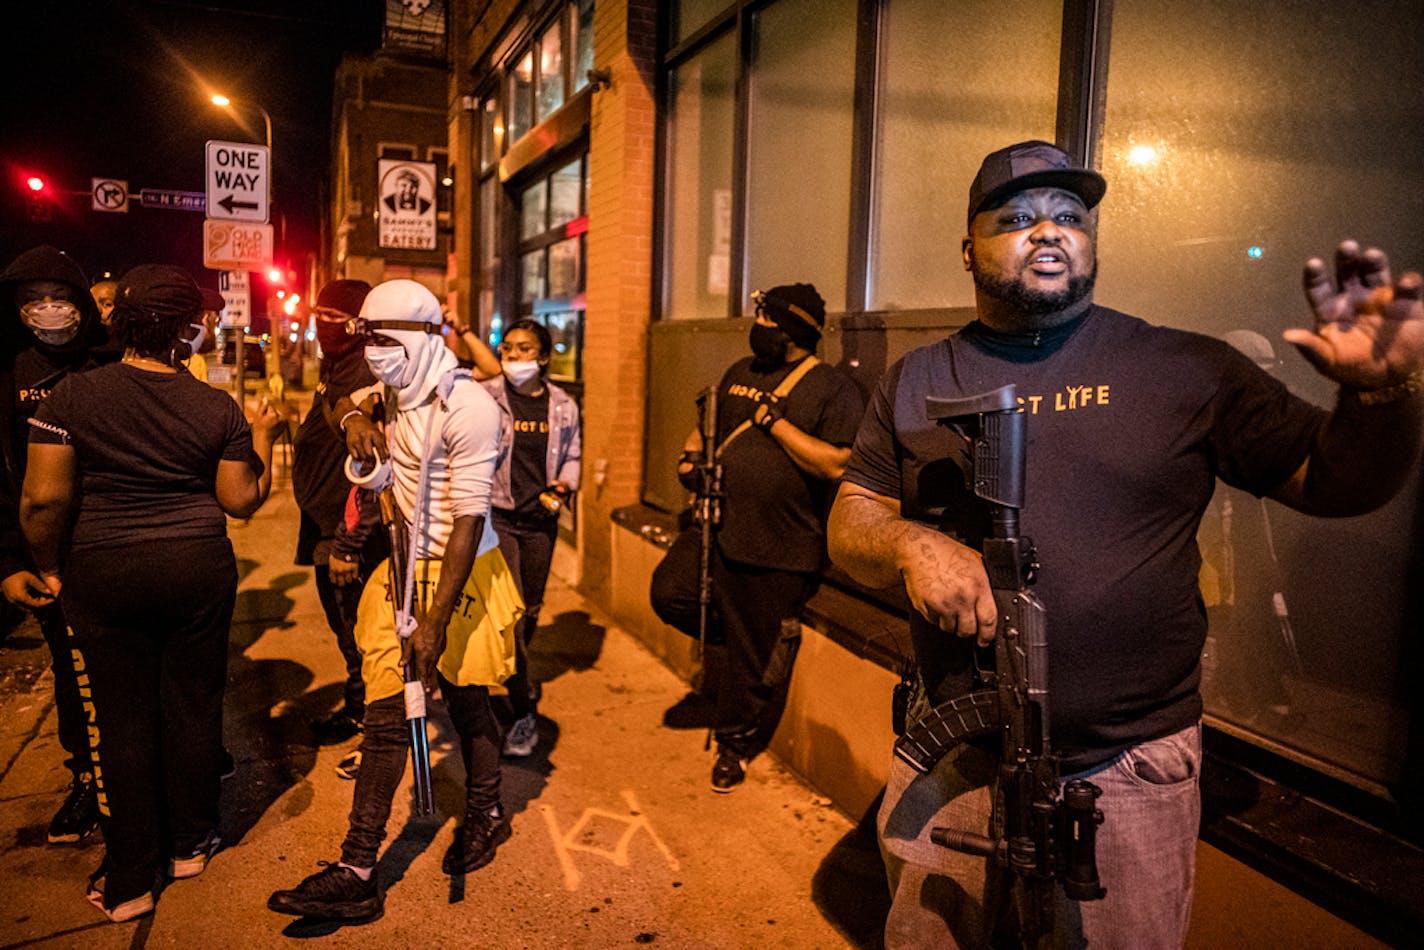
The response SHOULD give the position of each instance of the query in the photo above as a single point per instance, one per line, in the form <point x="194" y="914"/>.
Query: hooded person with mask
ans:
<point x="785" y="427"/>
<point x="457" y="610"/>
<point x="49" y="328"/>
<point x="337" y="520"/>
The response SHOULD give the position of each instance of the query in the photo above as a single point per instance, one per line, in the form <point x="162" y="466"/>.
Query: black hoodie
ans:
<point x="29" y="369"/>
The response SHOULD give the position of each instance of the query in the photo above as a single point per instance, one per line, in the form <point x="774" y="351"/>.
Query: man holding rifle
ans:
<point x="455" y="602"/>
<point x="784" y="424"/>
<point x="1128" y="425"/>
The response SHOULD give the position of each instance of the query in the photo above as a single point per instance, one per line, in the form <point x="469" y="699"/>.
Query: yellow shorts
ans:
<point x="479" y="647"/>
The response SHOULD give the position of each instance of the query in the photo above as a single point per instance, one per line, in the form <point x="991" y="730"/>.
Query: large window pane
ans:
<point x="489" y="193"/>
<point x="489" y="133"/>
<point x="564" y="269"/>
<point x="531" y="282"/>
<point x="688" y="16"/>
<point x="583" y="44"/>
<point x="565" y="190"/>
<point x="533" y="204"/>
<point x="1239" y="140"/>
<point x="551" y="71"/>
<point x="521" y="97"/>
<point x="698" y="237"/>
<point x="957" y="82"/>
<point x="798" y="192"/>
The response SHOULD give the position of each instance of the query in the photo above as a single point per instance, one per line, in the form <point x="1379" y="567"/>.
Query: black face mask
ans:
<point x="769" y="347"/>
<point x="334" y="339"/>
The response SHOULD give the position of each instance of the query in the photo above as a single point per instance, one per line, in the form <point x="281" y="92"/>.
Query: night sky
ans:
<point x="120" y="90"/>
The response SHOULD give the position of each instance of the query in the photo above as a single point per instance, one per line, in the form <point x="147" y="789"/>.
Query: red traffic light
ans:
<point x="35" y="183"/>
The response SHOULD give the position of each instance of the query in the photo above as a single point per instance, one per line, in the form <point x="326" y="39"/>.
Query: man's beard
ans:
<point x="1036" y="303"/>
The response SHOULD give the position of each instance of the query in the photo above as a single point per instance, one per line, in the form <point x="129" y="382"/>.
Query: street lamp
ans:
<point x="223" y="102"/>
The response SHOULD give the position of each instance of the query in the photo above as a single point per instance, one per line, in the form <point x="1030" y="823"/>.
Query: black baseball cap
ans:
<point x="1033" y="164"/>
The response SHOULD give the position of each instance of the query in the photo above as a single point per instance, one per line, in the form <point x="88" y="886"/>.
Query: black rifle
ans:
<point x="708" y="510"/>
<point x="1049" y="832"/>
<point x="424" y="788"/>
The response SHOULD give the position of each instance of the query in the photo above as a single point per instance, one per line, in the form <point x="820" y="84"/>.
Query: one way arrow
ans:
<point x="230" y="203"/>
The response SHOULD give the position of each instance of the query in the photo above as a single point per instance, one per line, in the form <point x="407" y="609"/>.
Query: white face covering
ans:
<point x="521" y="371"/>
<point x="51" y="321"/>
<point x="195" y="342"/>
<point x="388" y="364"/>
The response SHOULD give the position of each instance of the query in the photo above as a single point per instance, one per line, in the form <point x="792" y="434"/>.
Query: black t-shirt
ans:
<point x="528" y="460"/>
<point x="147" y="446"/>
<point x="773" y="513"/>
<point x="1128" y="427"/>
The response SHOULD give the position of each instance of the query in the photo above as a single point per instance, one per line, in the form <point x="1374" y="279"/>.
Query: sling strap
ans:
<point x="782" y="390"/>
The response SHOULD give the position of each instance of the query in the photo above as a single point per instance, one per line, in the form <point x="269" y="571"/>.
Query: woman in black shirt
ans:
<point x="154" y="461"/>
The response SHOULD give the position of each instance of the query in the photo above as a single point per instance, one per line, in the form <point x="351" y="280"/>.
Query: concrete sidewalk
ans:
<point x="617" y="838"/>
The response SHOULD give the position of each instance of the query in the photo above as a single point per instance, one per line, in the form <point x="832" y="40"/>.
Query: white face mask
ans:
<point x="520" y="372"/>
<point x="51" y="321"/>
<point x="388" y="364"/>
<point x="195" y="342"/>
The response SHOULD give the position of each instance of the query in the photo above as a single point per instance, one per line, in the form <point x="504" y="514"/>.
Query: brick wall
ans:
<point x="620" y="248"/>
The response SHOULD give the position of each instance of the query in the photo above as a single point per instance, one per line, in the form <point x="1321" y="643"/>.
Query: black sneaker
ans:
<point x="474" y="843"/>
<point x="333" y="893"/>
<point x="728" y="772"/>
<point x="338" y="727"/>
<point x="79" y="815"/>
<point x="191" y="865"/>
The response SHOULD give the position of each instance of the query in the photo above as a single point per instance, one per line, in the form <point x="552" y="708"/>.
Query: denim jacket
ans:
<point x="565" y="455"/>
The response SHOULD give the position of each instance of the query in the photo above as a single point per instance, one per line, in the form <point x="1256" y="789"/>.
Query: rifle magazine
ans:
<point x="947" y="725"/>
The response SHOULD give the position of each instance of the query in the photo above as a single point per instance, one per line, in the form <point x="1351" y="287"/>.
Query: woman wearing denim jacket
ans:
<point x="538" y="471"/>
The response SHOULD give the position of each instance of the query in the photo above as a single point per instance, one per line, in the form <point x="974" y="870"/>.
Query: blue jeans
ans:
<point x="1146" y="849"/>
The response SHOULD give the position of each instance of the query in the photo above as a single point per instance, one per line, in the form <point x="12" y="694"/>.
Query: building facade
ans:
<point x="629" y="171"/>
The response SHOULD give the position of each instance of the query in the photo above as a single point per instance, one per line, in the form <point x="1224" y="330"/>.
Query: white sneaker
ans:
<point x="522" y="738"/>
<point x="349" y="765"/>
<point x="192" y="865"/>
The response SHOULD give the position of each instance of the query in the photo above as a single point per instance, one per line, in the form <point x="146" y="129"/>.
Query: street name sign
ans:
<point x="236" y="245"/>
<point x="236" y="178"/>
<point x="172" y="200"/>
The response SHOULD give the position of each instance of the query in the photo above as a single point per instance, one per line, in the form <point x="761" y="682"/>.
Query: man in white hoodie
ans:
<point x="443" y="431"/>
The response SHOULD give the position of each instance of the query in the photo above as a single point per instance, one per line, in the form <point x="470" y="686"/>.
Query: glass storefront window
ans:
<point x="531" y="283"/>
<point x="489" y="132"/>
<point x="564" y="269"/>
<point x="957" y="82"/>
<point x="583" y="44"/>
<point x="799" y="147"/>
<point x="489" y="193"/>
<point x="533" y="207"/>
<point x="689" y="16"/>
<point x="551" y="72"/>
<point x="564" y="327"/>
<point x="521" y="97"/>
<point x="565" y="191"/>
<point x="698" y="197"/>
<point x="1225" y="173"/>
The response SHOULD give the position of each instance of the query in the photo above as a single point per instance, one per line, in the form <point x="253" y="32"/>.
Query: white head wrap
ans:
<point x="427" y="358"/>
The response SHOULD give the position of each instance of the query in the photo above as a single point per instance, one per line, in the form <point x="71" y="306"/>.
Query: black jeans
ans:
<point x="527" y="543"/>
<point x="151" y="623"/>
<point x="385" y="747"/>
<point x="756" y="611"/>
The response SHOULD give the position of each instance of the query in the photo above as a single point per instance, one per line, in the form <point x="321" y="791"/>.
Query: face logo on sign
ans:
<point x="403" y="193"/>
<point x="416" y="7"/>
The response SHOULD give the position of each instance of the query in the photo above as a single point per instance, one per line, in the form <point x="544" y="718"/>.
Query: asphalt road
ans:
<point x="617" y="839"/>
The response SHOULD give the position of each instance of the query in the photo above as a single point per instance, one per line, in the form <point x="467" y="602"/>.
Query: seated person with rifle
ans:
<point x="455" y="602"/>
<point x="1115" y="485"/>
<point x="782" y="434"/>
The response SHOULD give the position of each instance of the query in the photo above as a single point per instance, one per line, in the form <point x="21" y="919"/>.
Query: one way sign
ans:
<point x="236" y="174"/>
